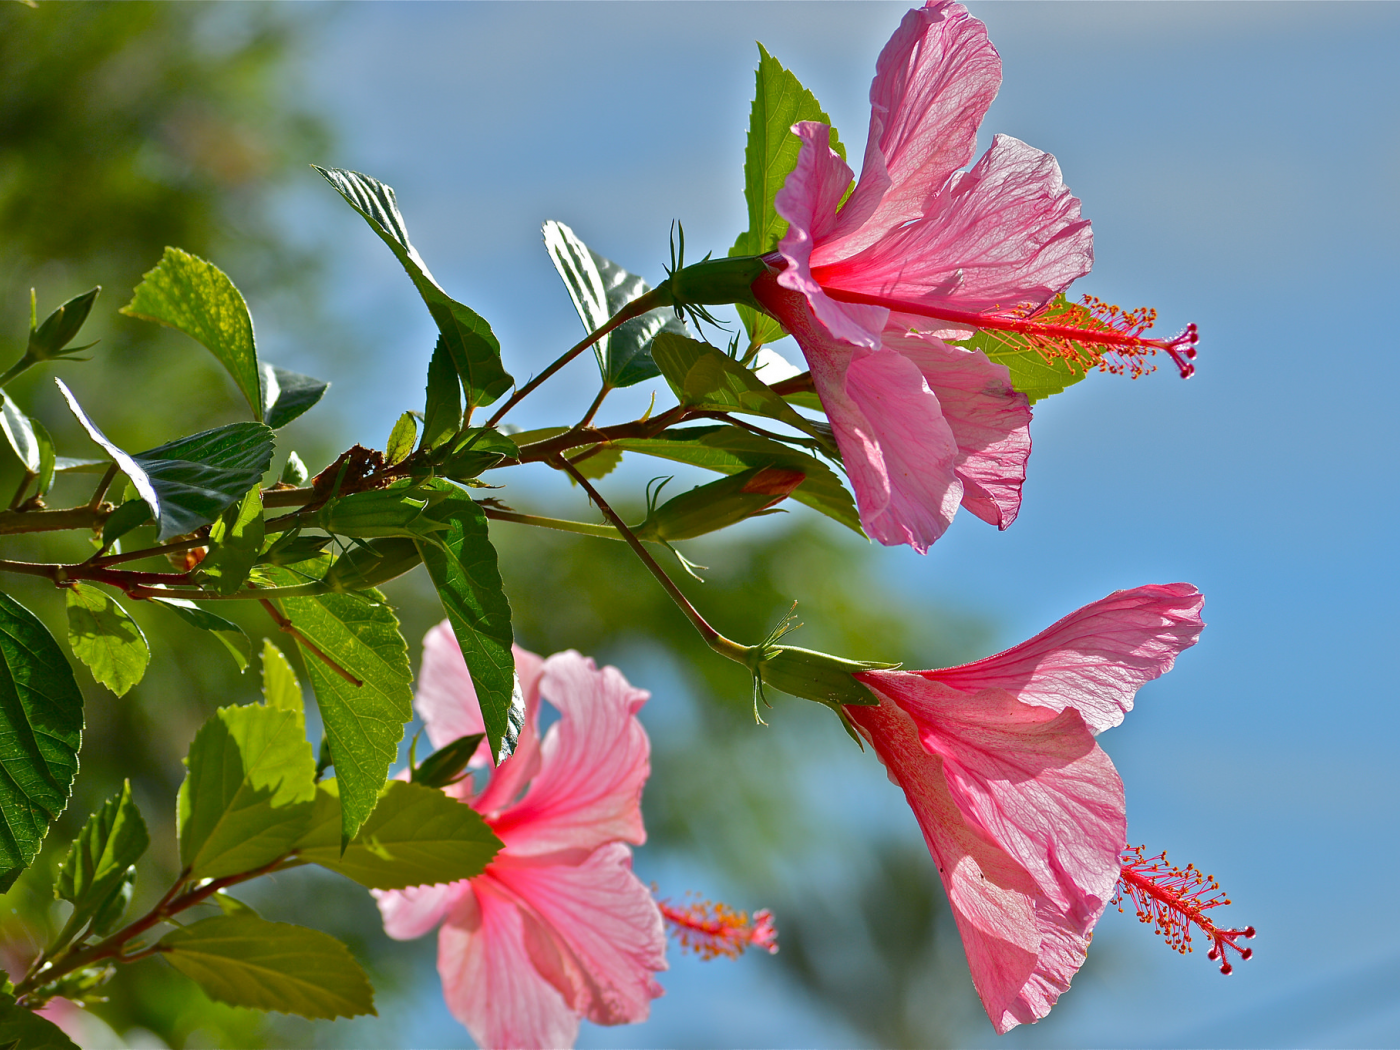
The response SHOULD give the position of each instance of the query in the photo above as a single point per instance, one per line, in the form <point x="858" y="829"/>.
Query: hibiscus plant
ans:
<point x="929" y="302"/>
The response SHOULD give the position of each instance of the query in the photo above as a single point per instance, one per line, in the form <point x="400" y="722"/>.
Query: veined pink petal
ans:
<point x="593" y="764"/>
<point x="412" y="912"/>
<point x="593" y="931"/>
<point x="1033" y="780"/>
<point x="1095" y="658"/>
<point x="1006" y="234"/>
<point x="489" y="981"/>
<point x="1007" y="924"/>
<point x="933" y="83"/>
<point x="445" y="698"/>
<point x="989" y="418"/>
<point x="808" y="202"/>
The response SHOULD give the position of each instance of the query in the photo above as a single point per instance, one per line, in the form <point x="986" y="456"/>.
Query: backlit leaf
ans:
<point x="243" y="960"/>
<point x="105" y="637"/>
<point x="41" y="727"/>
<point x="442" y="413"/>
<point x="281" y="690"/>
<point x="190" y="294"/>
<point x="235" y="541"/>
<point x="19" y="432"/>
<point x="113" y="839"/>
<point x="401" y="439"/>
<point x="233" y="637"/>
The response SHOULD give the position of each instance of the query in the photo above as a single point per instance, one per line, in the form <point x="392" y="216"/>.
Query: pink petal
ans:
<point x="989" y="418"/>
<point x="446" y="698"/>
<point x="489" y="981"/>
<point x="593" y="931"/>
<point x="412" y="912"/>
<point x="1033" y="780"/>
<point x="1009" y="928"/>
<point x="933" y="83"/>
<point x="1095" y="658"/>
<point x="592" y="766"/>
<point x="808" y="202"/>
<point x="1008" y="233"/>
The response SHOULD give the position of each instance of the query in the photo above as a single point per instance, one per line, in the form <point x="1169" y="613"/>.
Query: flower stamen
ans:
<point x="711" y="928"/>
<point x="1175" y="899"/>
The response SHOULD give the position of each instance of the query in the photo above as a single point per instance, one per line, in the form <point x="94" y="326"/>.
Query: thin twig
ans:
<point x="103" y="485"/>
<point x="597" y="404"/>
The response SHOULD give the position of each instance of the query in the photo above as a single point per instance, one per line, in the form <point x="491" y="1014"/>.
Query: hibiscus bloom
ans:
<point x="557" y="927"/>
<point x="1021" y="809"/>
<point x="922" y="250"/>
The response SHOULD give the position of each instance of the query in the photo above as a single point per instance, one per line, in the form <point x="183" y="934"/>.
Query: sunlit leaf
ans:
<point x="442" y="412"/>
<point x="19" y="432"/>
<point x="286" y="395"/>
<point x="401" y="439"/>
<point x="235" y="541"/>
<point x="416" y="836"/>
<point x="243" y="960"/>
<point x="249" y="790"/>
<point x="475" y="352"/>
<point x="113" y="839"/>
<point x="1033" y="373"/>
<point x="281" y="690"/>
<point x="233" y="637"/>
<point x="105" y="638"/>
<point x="41" y="727"/>
<point x="196" y="297"/>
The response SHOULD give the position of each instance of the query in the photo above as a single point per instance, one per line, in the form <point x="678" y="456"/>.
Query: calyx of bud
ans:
<point x="717" y="505"/>
<point x="817" y="676"/>
<point x="373" y="562"/>
<point x="716" y="282"/>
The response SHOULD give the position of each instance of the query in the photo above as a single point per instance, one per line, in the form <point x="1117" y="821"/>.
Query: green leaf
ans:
<point x="364" y="723"/>
<point x="442" y="412"/>
<point x="19" y="431"/>
<point x="105" y="638"/>
<point x="190" y="294"/>
<point x="286" y="395"/>
<point x="22" y="1029"/>
<point x="416" y="836"/>
<point x="226" y="631"/>
<point x="243" y="960"/>
<point x="1032" y="372"/>
<point x="130" y="515"/>
<point x="235" y="541"/>
<point x="294" y="472"/>
<point x="109" y="912"/>
<point x="447" y="765"/>
<point x="41" y="728"/>
<point x="703" y="376"/>
<point x="401" y="439"/>
<point x="780" y="101"/>
<point x="597" y="461"/>
<point x="473" y="347"/>
<point x="480" y="449"/>
<point x="281" y="690"/>
<point x="48" y="460"/>
<point x="462" y="564"/>
<point x="249" y="791"/>
<point x="113" y="839"/>
<point x="78" y="465"/>
<point x="189" y="482"/>
<point x="600" y="288"/>
<point x="730" y="449"/>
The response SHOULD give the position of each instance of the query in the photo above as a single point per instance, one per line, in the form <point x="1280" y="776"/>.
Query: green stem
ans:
<point x="652" y="300"/>
<point x="20" y="366"/>
<point x="15" y="521"/>
<point x="716" y="641"/>
<point x="102" y="487"/>
<point x="24" y="481"/>
<point x="597" y="404"/>
<point x="605" y="532"/>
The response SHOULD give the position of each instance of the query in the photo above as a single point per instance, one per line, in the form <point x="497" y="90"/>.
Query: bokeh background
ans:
<point x="1240" y="163"/>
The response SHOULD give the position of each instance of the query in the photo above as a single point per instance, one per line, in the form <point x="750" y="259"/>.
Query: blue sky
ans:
<point x="1240" y="163"/>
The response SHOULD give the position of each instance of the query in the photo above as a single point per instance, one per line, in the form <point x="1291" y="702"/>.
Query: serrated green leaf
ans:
<point x="287" y="395"/>
<point x="113" y="839"/>
<point x="22" y="1029"/>
<point x="249" y="791"/>
<point x="703" y="376"/>
<point x="401" y="439"/>
<point x="235" y="541"/>
<point x="189" y="482"/>
<point x="280" y="688"/>
<point x="473" y="347"/>
<point x="105" y="638"/>
<point x="233" y="637"/>
<point x="416" y="836"/>
<point x="462" y="564"/>
<point x="243" y="960"/>
<point x="194" y="296"/>
<point x="442" y="411"/>
<point x="770" y="155"/>
<point x="364" y="723"/>
<point x="233" y="906"/>
<point x="600" y="288"/>
<point x="1032" y="372"/>
<point x="730" y="449"/>
<point x="19" y="432"/>
<point x="41" y="729"/>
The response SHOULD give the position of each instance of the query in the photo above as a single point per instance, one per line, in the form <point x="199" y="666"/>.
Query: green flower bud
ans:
<point x="49" y="339"/>
<point x="817" y="676"/>
<point x="393" y="511"/>
<point x="446" y="765"/>
<point x="717" y="282"/>
<point x="708" y="508"/>
<point x="375" y="562"/>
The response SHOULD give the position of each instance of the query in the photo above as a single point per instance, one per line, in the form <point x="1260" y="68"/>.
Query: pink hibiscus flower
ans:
<point x="1021" y="809"/>
<point x="922" y="252"/>
<point x="557" y="927"/>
